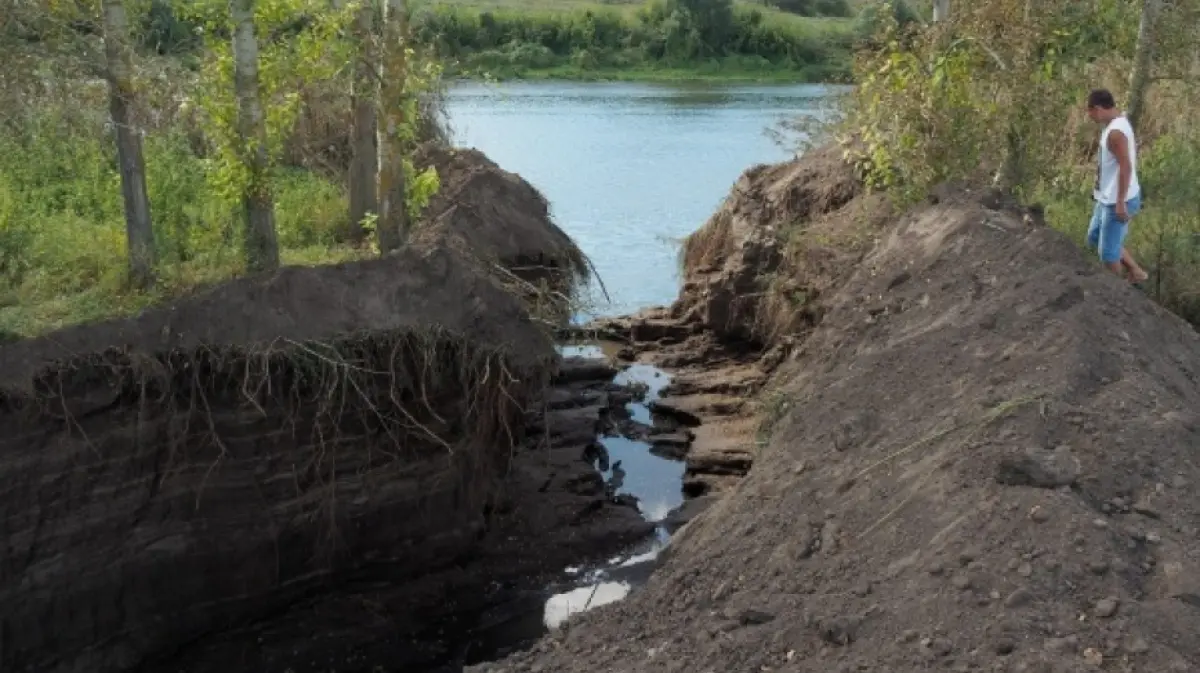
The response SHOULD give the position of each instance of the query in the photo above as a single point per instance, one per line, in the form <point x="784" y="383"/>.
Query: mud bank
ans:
<point x="974" y="451"/>
<point x="298" y="472"/>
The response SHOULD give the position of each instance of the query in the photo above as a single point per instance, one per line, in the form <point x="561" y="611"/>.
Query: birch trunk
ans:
<point x="139" y="230"/>
<point x="262" y="247"/>
<point x="364" y="162"/>
<point x="393" y="214"/>
<point x="1143" y="59"/>
<point x="941" y="10"/>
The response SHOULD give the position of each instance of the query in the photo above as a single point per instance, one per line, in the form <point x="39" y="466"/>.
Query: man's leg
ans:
<point x="1111" y="239"/>
<point x="1093" y="234"/>
<point x="1136" y="273"/>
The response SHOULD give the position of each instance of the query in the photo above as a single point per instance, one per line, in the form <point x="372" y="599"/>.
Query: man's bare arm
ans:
<point x="1118" y="144"/>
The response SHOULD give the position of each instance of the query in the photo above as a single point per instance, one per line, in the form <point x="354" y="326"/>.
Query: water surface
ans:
<point x="630" y="169"/>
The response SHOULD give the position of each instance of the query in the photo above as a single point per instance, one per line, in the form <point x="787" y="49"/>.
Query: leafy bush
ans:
<point x="985" y="97"/>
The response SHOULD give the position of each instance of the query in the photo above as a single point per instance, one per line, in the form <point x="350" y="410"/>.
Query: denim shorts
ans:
<point x="1107" y="233"/>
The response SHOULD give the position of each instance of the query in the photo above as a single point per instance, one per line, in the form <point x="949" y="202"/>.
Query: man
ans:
<point x="1117" y="192"/>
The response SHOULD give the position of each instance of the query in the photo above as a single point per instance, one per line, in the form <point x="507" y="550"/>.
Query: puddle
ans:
<point x="630" y="468"/>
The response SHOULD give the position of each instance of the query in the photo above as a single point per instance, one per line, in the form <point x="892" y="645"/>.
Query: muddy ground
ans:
<point x="977" y="454"/>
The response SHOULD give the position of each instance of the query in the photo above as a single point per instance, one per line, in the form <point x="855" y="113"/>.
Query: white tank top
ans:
<point x="1108" y="174"/>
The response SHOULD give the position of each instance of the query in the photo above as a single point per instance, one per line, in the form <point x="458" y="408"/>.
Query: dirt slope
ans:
<point x="497" y="216"/>
<point x="209" y="463"/>
<point x="786" y="235"/>
<point x="983" y="459"/>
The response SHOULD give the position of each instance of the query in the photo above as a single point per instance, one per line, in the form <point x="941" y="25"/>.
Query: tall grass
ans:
<point x="62" y="240"/>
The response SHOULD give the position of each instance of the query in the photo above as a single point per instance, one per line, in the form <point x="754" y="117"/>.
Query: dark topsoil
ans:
<point x="298" y="472"/>
<point x="981" y="456"/>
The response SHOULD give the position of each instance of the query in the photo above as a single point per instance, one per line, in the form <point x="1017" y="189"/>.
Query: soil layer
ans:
<point x="979" y="456"/>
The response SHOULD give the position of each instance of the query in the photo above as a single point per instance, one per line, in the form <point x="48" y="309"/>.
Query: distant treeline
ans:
<point x="609" y="39"/>
<point x="659" y="34"/>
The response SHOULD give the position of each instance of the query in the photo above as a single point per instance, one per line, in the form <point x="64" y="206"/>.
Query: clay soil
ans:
<point x="979" y="455"/>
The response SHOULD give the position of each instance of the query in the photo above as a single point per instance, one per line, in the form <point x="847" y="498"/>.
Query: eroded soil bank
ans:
<point x="305" y="471"/>
<point x="975" y="449"/>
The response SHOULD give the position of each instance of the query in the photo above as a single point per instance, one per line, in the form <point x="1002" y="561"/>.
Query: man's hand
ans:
<point x="1122" y="212"/>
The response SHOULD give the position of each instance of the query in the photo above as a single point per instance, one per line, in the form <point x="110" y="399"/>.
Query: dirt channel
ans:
<point x="975" y="451"/>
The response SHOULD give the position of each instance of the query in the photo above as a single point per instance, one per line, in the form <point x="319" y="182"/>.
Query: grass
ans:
<point x="62" y="240"/>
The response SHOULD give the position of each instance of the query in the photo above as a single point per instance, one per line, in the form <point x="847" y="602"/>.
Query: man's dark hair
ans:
<point x="1101" y="98"/>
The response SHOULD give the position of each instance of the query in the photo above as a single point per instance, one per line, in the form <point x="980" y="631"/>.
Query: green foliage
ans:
<point x="62" y="227"/>
<point x="838" y="8"/>
<point x="62" y="230"/>
<point x="286" y="65"/>
<point x="662" y="33"/>
<point x="879" y="15"/>
<point x="985" y="98"/>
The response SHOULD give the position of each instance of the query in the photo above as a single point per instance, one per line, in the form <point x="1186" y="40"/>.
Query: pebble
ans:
<point x="1106" y="607"/>
<point x="961" y="582"/>
<point x="1138" y="646"/>
<point x="1097" y="566"/>
<point x="1178" y="481"/>
<point x="1092" y="657"/>
<point x="1153" y="538"/>
<point x="941" y="647"/>
<point x="1025" y="570"/>
<point x="1004" y="646"/>
<point x="936" y="568"/>
<point x="1019" y="598"/>
<point x="1039" y="514"/>
<point x="1099" y="523"/>
<point x="908" y="636"/>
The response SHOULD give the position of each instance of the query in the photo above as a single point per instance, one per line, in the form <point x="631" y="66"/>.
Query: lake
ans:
<point x="630" y="169"/>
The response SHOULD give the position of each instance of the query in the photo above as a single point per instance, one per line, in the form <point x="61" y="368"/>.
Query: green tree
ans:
<point x="364" y="166"/>
<point x="392" y="108"/>
<point x="262" y="244"/>
<point x="119" y="70"/>
<point x="1139" y="78"/>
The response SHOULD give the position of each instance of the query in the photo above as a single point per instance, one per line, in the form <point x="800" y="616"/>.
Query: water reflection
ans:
<point x="630" y="169"/>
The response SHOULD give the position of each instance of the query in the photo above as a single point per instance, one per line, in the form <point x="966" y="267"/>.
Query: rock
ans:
<point x="1097" y="566"/>
<point x="941" y="647"/>
<point x="752" y="617"/>
<point x="1138" y="646"/>
<point x="961" y="582"/>
<point x="1106" y="607"/>
<point x="1018" y="599"/>
<point x="1182" y="582"/>
<point x="838" y="630"/>
<point x="1146" y="507"/>
<point x="1004" y="646"/>
<point x="1025" y="570"/>
<point x="1039" y="514"/>
<point x="576" y="369"/>
<point x="1092" y="657"/>
<point x="1039" y="468"/>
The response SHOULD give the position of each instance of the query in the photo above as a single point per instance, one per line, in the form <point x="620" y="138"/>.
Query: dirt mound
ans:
<point x="983" y="459"/>
<point x="499" y="217"/>
<point x="206" y="464"/>
<point x="785" y="236"/>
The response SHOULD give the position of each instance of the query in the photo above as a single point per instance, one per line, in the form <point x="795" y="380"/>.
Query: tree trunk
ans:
<point x="1143" y="59"/>
<point x="393" y="214"/>
<point x="262" y="247"/>
<point x="365" y="158"/>
<point x="139" y="231"/>
<point x="941" y="10"/>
